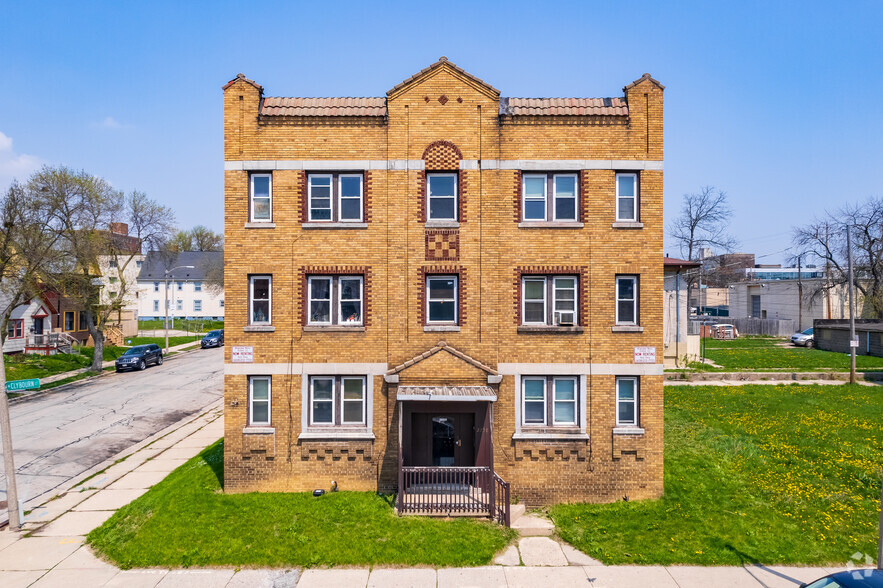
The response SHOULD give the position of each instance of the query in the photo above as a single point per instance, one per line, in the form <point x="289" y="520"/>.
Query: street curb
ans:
<point x="63" y="387"/>
<point x="69" y="485"/>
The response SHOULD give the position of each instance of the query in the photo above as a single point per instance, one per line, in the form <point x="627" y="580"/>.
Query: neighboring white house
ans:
<point x="189" y="295"/>
<point x="677" y="343"/>
<point x="780" y="299"/>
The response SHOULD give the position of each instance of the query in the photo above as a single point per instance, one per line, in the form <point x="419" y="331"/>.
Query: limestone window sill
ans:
<point x="442" y="225"/>
<point x="260" y="225"/>
<point x="259" y="430"/>
<point x="549" y="329"/>
<point x="441" y="329"/>
<point x="259" y="329"/>
<point x="332" y="434"/>
<point x="627" y="225"/>
<point x="334" y="225"/>
<point x="627" y="329"/>
<point x="333" y="329"/>
<point x="550" y="225"/>
<point x="529" y="436"/>
<point x="628" y="430"/>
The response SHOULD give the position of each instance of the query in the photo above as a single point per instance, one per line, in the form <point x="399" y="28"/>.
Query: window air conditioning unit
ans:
<point x="564" y="318"/>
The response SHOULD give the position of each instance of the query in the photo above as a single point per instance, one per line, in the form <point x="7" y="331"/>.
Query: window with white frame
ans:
<point x="180" y="286"/>
<point x="156" y="306"/>
<point x="441" y="195"/>
<point x="335" y="300"/>
<point x="139" y="263"/>
<point x="335" y="197"/>
<point x="260" y="300"/>
<point x="221" y="302"/>
<point x="626" y="300"/>
<point x="441" y="300"/>
<point x="549" y="401"/>
<point x="179" y="305"/>
<point x="627" y="197"/>
<point x="259" y="400"/>
<point x="549" y="197"/>
<point x="112" y="263"/>
<point x="337" y="400"/>
<point x="197" y="286"/>
<point x="261" y="196"/>
<point x="197" y="306"/>
<point x="156" y="286"/>
<point x="549" y="300"/>
<point x="627" y="401"/>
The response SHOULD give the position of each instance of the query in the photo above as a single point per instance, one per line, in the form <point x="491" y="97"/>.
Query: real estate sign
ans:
<point x="16" y="385"/>
<point x="645" y="355"/>
<point x="242" y="354"/>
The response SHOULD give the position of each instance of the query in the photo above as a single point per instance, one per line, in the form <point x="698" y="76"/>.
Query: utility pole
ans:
<point x="852" y="341"/>
<point x="799" y="298"/>
<point x="827" y="276"/>
<point x="8" y="461"/>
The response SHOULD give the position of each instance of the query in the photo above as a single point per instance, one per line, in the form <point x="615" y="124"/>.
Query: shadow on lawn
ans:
<point x="214" y="458"/>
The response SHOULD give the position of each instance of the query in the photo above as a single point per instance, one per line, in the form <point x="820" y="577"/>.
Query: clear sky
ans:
<point x="778" y="103"/>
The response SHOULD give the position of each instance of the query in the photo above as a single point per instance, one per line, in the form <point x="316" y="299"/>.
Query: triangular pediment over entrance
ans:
<point x="442" y="365"/>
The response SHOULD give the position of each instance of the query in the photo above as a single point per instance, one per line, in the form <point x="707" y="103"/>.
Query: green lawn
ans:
<point x="21" y="366"/>
<point x="161" y="341"/>
<point x="186" y="521"/>
<point x="785" y="474"/>
<point x="184" y="325"/>
<point x="762" y="353"/>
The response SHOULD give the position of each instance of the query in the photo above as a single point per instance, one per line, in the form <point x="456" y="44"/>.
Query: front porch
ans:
<point x="453" y="491"/>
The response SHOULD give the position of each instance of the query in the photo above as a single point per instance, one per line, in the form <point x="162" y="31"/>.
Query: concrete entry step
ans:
<point x="530" y="525"/>
<point x="516" y="511"/>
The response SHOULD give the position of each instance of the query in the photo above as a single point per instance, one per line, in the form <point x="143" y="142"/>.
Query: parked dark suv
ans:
<point x="213" y="339"/>
<point x="139" y="357"/>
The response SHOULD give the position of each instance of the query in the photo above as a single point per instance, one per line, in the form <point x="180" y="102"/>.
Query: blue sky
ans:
<point x="778" y="103"/>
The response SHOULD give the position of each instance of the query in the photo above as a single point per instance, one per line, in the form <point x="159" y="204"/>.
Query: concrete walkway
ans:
<point x="54" y="554"/>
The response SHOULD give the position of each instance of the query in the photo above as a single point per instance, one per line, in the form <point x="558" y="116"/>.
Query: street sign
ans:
<point x="645" y="355"/>
<point x="853" y="343"/>
<point x="242" y="354"/>
<point x="16" y="385"/>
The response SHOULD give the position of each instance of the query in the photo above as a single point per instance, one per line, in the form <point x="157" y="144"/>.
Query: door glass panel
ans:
<point x="443" y="441"/>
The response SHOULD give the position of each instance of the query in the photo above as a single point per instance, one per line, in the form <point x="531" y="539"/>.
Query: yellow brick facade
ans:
<point x="395" y="250"/>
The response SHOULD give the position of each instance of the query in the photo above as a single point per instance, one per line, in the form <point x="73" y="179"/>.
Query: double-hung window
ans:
<point x="179" y="305"/>
<point x="335" y="198"/>
<point x="156" y="306"/>
<point x="156" y="286"/>
<point x="197" y="306"/>
<point x="260" y="300"/>
<point x="180" y="286"/>
<point x="259" y="400"/>
<point x="14" y="328"/>
<point x="197" y="286"/>
<point x="627" y="197"/>
<point x="549" y="401"/>
<point x="69" y="323"/>
<point x="549" y="300"/>
<point x="441" y="300"/>
<point x="337" y="400"/>
<point x="82" y="321"/>
<point x="261" y="196"/>
<point x="626" y="300"/>
<point x="441" y="193"/>
<point x="627" y="402"/>
<point x="335" y="300"/>
<point x="549" y="197"/>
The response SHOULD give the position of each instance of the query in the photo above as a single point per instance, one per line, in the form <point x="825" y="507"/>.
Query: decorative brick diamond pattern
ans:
<point x="443" y="245"/>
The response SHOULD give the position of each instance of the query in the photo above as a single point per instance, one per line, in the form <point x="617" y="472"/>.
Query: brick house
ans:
<point x="444" y="282"/>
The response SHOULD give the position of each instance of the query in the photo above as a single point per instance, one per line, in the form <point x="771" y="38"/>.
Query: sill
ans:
<point x="437" y="224"/>
<point x="550" y="225"/>
<point x="441" y="328"/>
<point x="254" y="430"/>
<point x="329" y="225"/>
<point x="627" y="329"/>
<point x="529" y="436"/>
<point x="333" y="329"/>
<point x="259" y="329"/>
<point x="260" y="225"/>
<point x="628" y="430"/>
<point x="627" y="225"/>
<point x="351" y="435"/>
<point x="549" y="329"/>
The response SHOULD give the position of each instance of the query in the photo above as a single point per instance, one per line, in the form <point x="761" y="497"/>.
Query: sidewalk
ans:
<point x="55" y="555"/>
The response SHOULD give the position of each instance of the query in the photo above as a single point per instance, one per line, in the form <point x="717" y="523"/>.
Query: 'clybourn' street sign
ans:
<point x="16" y="385"/>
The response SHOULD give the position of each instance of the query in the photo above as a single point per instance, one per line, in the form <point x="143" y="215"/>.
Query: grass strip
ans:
<point x="186" y="520"/>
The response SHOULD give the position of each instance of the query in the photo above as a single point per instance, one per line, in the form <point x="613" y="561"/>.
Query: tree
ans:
<point x="199" y="238"/>
<point x="27" y="251"/>
<point x="824" y="240"/>
<point x="87" y="208"/>
<point x="180" y="241"/>
<point x="703" y="222"/>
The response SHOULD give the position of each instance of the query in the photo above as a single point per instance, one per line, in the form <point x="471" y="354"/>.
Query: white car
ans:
<point x="803" y="338"/>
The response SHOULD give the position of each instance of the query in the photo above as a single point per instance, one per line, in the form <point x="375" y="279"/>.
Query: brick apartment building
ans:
<point x="444" y="282"/>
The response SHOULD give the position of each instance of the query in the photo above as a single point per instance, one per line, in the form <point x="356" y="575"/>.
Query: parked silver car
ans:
<point x="803" y="338"/>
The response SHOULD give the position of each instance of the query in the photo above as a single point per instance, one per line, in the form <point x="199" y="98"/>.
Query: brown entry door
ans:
<point x="452" y="439"/>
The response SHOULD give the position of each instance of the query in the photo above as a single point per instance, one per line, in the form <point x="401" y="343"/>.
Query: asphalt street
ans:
<point x="60" y="435"/>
